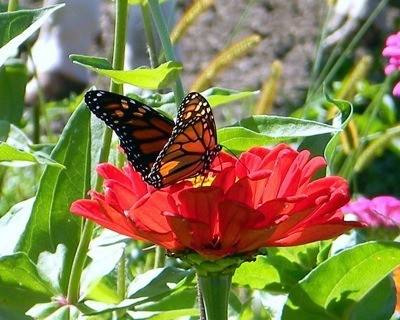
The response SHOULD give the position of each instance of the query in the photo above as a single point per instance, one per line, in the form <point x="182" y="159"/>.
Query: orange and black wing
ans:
<point x="192" y="146"/>
<point x="142" y="131"/>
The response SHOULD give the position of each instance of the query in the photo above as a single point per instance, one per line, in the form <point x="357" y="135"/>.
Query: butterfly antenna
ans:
<point x="238" y="159"/>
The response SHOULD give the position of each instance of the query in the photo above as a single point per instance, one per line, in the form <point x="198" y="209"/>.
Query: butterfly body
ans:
<point x="162" y="151"/>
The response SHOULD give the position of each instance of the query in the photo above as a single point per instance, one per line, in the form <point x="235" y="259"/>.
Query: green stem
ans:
<point x="148" y="30"/>
<point x="118" y="64"/>
<point x="79" y="261"/>
<point x="215" y="291"/>
<point x="318" y="56"/>
<point x="347" y="169"/>
<point x="81" y="250"/>
<point x="121" y="19"/>
<point x="36" y="122"/>
<point x="121" y="283"/>
<point x="149" y="261"/>
<point x="3" y="172"/>
<point x="159" y="261"/>
<point x="329" y="71"/>
<point x="167" y="45"/>
<point x="200" y="301"/>
<point x="12" y="5"/>
<point x="239" y="24"/>
<point x="38" y="106"/>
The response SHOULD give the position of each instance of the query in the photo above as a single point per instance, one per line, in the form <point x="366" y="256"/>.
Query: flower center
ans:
<point x="202" y="180"/>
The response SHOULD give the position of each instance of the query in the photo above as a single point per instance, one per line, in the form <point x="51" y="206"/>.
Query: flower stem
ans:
<point x="12" y="5"/>
<point x="121" y="282"/>
<point x="118" y="64"/>
<point x="159" y="261"/>
<point x="121" y="19"/>
<point x="151" y="43"/>
<point x="79" y="261"/>
<point x="215" y="291"/>
<point x="166" y="44"/>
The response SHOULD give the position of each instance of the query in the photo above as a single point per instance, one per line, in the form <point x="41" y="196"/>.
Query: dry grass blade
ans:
<point x="269" y="89"/>
<point x="223" y="60"/>
<point x="191" y="15"/>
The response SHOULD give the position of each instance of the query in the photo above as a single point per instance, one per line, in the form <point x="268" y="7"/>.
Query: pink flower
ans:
<point x="392" y="51"/>
<point x="376" y="212"/>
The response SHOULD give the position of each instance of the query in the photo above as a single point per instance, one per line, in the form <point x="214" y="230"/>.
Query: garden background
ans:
<point x="273" y="72"/>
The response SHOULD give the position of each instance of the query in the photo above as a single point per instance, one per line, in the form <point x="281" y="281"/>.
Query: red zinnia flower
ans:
<point x="265" y="198"/>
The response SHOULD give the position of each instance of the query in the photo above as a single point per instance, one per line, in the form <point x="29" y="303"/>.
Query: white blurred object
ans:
<point x="344" y="241"/>
<point x="73" y="29"/>
<point x="274" y="303"/>
<point x="348" y="17"/>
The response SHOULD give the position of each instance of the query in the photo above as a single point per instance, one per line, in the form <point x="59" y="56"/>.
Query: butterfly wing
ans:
<point x="192" y="146"/>
<point x="142" y="131"/>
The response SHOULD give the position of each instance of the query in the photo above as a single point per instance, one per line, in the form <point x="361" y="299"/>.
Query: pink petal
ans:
<point x="391" y="52"/>
<point x="390" y="68"/>
<point x="396" y="90"/>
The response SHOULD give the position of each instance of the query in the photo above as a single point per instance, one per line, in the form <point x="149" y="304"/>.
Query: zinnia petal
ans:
<point x="265" y="198"/>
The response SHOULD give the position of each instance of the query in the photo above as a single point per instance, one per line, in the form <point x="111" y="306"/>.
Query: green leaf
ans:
<point x="53" y="311"/>
<point x="103" y="290"/>
<point x="13" y="80"/>
<point x="179" y="299"/>
<point x="105" y="253"/>
<point x="388" y="110"/>
<point x="333" y="290"/>
<point x="218" y="96"/>
<point x="280" y="269"/>
<point x="146" y="289"/>
<point x="91" y="62"/>
<point x="50" y="267"/>
<point x="379" y="303"/>
<point x="5" y="128"/>
<point x="9" y="153"/>
<point x="346" y="111"/>
<point x="164" y="315"/>
<point x="13" y="314"/>
<point x="153" y="79"/>
<point x="51" y="222"/>
<point x="12" y="226"/>
<point x="20" y="284"/>
<point x="18" y="26"/>
<point x="18" y="147"/>
<point x="256" y="275"/>
<point x="157" y="282"/>
<point x="264" y="130"/>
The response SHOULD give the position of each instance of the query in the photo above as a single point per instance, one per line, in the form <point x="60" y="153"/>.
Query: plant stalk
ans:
<point x="347" y="170"/>
<point x="159" y="261"/>
<point x="121" y="21"/>
<point x="12" y="5"/>
<point x="118" y="64"/>
<point x="215" y="292"/>
<point x="78" y="263"/>
<point x="121" y="282"/>
<point x="167" y="45"/>
<point x="330" y="69"/>
<point x="148" y="30"/>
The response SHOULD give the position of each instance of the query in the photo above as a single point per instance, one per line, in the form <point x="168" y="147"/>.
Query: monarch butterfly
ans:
<point x="162" y="151"/>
